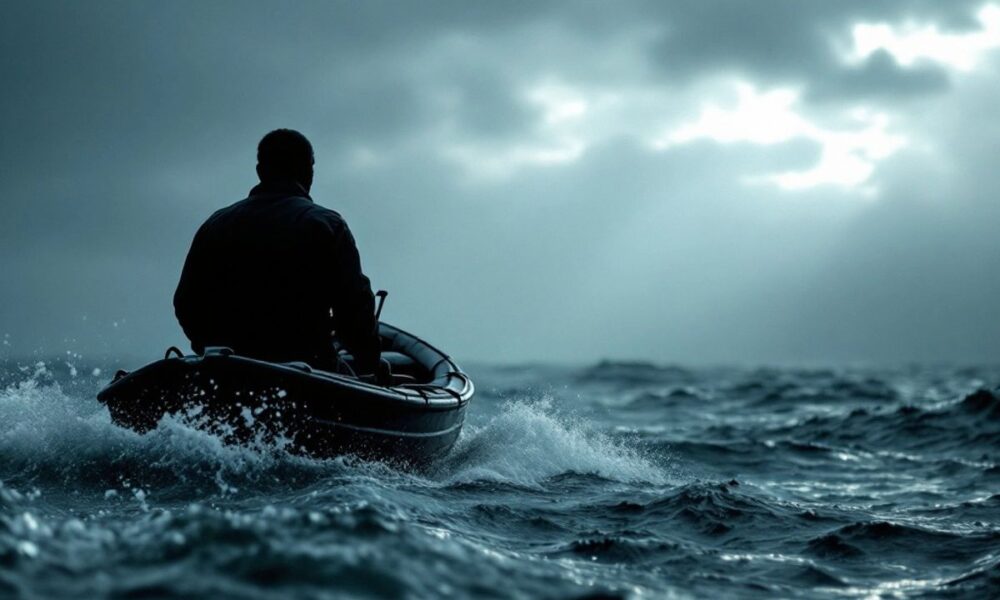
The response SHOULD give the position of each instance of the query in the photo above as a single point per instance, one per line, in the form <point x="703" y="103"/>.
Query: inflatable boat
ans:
<point x="414" y="419"/>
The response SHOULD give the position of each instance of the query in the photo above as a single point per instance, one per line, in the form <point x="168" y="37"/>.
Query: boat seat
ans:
<point x="405" y="367"/>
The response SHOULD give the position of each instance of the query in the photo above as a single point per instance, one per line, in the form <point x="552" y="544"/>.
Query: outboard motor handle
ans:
<point x="381" y="294"/>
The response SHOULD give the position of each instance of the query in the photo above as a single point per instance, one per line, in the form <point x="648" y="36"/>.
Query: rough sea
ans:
<point x="614" y="480"/>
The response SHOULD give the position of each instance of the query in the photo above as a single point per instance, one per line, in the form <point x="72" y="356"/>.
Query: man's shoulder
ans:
<point x="325" y="216"/>
<point x="228" y="210"/>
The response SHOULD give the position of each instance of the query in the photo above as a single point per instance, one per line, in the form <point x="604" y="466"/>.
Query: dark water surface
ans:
<point x="620" y="479"/>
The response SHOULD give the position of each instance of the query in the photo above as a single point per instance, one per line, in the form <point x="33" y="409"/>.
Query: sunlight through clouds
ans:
<point x="759" y="118"/>
<point x="558" y="138"/>
<point x="570" y="121"/>
<point x="848" y="156"/>
<point x="911" y="43"/>
<point x="559" y="104"/>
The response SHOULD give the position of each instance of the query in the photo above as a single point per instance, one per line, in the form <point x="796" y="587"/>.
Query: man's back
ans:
<point x="272" y="276"/>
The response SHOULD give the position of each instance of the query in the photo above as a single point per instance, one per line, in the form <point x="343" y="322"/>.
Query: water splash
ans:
<point x="530" y="442"/>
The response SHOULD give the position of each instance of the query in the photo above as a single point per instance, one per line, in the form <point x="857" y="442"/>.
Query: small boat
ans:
<point x="415" y="419"/>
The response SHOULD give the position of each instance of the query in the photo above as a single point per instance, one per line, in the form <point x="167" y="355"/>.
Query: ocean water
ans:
<point x="621" y="480"/>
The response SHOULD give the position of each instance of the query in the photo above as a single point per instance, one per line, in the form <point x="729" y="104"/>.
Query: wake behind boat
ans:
<point x="415" y="419"/>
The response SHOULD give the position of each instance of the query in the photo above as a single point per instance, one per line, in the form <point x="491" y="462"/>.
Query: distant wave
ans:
<point x="973" y="421"/>
<point x="633" y="373"/>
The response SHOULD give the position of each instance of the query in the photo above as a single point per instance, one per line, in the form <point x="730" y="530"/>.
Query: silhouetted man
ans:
<point x="275" y="275"/>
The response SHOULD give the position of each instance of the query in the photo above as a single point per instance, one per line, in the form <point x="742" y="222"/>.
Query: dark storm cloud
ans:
<point x="880" y="77"/>
<point x="126" y="83"/>
<point x="125" y="124"/>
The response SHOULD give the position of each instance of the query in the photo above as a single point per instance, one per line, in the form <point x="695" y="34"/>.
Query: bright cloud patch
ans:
<point x="848" y="156"/>
<point x="911" y="43"/>
<point x="562" y="135"/>
<point x="559" y="104"/>
<point x="572" y="120"/>
<point x="766" y="118"/>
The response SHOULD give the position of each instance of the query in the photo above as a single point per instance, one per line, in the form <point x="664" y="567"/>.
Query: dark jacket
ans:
<point x="273" y="277"/>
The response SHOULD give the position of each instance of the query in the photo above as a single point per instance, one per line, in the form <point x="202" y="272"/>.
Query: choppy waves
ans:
<point x="625" y="479"/>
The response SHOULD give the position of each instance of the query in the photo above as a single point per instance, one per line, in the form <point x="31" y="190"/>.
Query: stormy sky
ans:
<point x="698" y="182"/>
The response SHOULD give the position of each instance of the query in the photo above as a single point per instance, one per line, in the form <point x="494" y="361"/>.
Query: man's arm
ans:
<point x="186" y="306"/>
<point x="353" y="302"/>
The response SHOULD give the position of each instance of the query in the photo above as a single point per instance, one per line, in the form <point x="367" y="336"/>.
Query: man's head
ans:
<point x="285" y="155"/>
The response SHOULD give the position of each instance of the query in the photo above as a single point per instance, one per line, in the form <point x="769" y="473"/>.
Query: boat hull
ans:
<point x="310" y="412"/>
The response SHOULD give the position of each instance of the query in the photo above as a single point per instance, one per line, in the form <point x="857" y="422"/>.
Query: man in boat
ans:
<point x="276" y="276"/>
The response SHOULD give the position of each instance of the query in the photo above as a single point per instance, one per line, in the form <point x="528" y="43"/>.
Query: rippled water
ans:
<point x="618" y="479"/>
